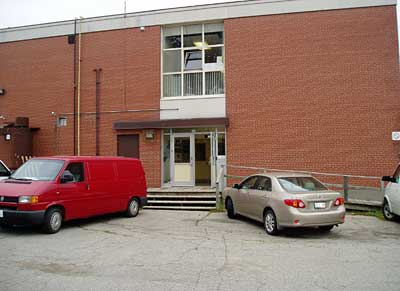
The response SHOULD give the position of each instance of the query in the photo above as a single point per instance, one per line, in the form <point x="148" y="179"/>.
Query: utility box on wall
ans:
<point x="16" y="142"/>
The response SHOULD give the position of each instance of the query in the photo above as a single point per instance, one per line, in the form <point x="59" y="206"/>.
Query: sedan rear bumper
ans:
<point x="21" y="218"/>
<point x="304" y="219"/>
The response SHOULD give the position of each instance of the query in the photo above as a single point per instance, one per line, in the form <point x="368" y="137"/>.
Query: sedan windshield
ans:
<point x="301" y="184"/>
<point x="38" y="170"/>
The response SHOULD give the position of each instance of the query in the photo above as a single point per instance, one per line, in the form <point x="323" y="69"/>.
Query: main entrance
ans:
<point x="192" y="157"/>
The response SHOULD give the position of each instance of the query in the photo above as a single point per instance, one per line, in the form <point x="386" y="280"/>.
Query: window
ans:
<point x="301" y="184"/>
<point x="250" y="183"/>
<point x="62" y="121"/>
<point x="38" y="170"/>
<point x="193" y="60"/>
<point x="76" y="169"/>
<point x="3" y="171"/>
<point x="264" y="184"/>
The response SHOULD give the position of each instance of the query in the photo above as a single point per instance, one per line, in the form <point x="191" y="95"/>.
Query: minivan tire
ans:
<point x="386" y="211"/>
<point x="133" y="208"/>
<point x="230" y="208"/>
<point x="270" y="223"/>
<point x="52" y="220"/>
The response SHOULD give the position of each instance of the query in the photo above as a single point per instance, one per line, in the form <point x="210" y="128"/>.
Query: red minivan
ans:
<point x="51" y="190"/>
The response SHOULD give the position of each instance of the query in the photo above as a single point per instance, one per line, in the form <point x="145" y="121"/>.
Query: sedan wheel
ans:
<point x="230" y="208"/>
<point x="386" y="211"/>
<point x="270" y="223"/>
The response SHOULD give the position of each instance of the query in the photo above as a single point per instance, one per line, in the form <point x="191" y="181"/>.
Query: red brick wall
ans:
<point x="314" y="91"/>
<point x="38" y="77"/>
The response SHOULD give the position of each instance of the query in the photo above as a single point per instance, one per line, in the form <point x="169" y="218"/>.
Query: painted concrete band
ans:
<point x="183" y="15"/>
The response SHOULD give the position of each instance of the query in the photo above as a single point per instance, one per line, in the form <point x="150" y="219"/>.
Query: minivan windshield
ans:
<point x="3" y="171"/>
<point x="301" y="184"/>
<point x="38" y="170"/>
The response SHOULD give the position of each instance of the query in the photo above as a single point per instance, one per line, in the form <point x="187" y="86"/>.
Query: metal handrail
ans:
<point x="304" y="172"/>
<point x="346" y="186"/>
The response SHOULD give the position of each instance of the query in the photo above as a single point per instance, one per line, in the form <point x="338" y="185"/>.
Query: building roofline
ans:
<point x="198" y="13"/>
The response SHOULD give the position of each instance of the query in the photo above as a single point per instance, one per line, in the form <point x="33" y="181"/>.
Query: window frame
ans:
<point x="182" y="72"/>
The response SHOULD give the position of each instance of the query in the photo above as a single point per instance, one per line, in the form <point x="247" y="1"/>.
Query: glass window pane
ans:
<point x="215" y="83"/>
<point x="221" y="144"/>
<point x="172" y="61"/>
<point x="192" y="60"/>
<point x="172" y="37"/>
<point x="213" y="33"/>
<point x="172" y="85"/>
<point x="193" y="84"/>
<point x="182" y="150"/>
<point x="192" y="36"/>
<point x="213" y="59"/>
<point x="167" y="159"/>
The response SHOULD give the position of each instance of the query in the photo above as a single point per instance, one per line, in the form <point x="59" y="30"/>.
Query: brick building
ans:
<point x="310" y="85"/>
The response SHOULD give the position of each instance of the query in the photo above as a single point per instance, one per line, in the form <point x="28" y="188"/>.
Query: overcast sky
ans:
<point x="25" y="12"/>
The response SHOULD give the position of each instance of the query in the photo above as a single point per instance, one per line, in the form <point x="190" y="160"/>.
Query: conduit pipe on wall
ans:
<point x="79" y="90"/>
<point x="97" y="111"/>
<point x="74" y="86"/>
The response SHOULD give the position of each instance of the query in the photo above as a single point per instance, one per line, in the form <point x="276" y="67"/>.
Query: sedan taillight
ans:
<point x="296" y="203"/>
<point x="339" y="201"/>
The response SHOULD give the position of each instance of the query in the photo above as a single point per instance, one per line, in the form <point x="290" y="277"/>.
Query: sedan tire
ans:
<point x="230" y="208"/>
<point x="270" y="223"/>
<point x="386" y="211"/>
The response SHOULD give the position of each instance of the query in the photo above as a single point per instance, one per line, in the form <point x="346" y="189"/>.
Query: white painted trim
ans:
<point x="199" y="13"/>
<point x="192" y="97"/>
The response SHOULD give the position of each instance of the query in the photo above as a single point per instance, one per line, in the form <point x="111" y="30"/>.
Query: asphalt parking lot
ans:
<point x="176" y="250"/>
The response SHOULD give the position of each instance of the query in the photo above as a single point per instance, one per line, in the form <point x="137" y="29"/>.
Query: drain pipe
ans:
<point x="79" y="89"/>
<point x="98" y="70"/>
<point x="74" y="138"/>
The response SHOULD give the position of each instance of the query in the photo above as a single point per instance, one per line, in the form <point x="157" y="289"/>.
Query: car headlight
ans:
<point x="28" y="199"/>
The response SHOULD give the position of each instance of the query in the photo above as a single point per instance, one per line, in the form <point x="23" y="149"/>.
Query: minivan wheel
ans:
<point x="52" y="220"/>
<point x="386" y="211"/>
<point x="270" y="223"/>
<point x="133" y="208"/>
<point x="230" y="208"/>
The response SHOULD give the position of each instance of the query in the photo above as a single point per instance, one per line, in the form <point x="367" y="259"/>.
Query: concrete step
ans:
<point x="181" y="200"/>
<point x="206" y="208"/>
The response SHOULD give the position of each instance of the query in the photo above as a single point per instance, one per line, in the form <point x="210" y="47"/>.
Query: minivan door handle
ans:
<point x="87" y="187"/>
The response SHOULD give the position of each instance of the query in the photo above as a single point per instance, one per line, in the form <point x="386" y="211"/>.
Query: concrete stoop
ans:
<point x="181" y="199"/>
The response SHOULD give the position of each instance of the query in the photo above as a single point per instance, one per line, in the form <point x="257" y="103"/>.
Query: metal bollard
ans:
<point x="346" y="188"/>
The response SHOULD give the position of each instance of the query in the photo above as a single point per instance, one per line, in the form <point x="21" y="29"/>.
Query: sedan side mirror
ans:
<point x="236" y="186"/>
<point x="66" y="177"/>
<point x="388" y="179"/>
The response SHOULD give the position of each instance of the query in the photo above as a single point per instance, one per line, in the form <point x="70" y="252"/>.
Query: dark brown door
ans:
<point x="128" y="145"/>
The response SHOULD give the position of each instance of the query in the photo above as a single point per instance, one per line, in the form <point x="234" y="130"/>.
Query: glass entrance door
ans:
<point x="183" y="164"/>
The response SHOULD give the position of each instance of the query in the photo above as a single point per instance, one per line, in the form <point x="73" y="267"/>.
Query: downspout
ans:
<point x="79" y="90"/>
<point x="74" y="138"/>
<point x="97" y="111"/>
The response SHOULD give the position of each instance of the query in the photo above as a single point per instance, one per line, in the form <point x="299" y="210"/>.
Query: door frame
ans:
<point x="191" y="137"/>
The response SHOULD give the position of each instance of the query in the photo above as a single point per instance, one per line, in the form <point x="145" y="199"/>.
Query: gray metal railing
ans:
<point x="375" y="192"/>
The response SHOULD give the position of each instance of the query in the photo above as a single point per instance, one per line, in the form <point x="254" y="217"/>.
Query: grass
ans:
<point x="375" y="213"/>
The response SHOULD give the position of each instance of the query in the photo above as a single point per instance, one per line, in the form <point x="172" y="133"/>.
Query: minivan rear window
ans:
<point x="38" y="170"/>
<point x="301" y="184"/>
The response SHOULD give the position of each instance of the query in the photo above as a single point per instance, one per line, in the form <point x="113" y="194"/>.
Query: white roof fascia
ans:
<point x="201" y="13"/>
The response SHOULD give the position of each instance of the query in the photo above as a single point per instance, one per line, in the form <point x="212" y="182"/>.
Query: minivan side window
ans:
<point x="77" y="171"/>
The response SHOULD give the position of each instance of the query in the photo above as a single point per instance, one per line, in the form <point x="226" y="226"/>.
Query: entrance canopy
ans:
<point x="173" y="123"/>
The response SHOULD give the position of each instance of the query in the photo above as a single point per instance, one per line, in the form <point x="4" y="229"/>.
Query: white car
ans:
<point x="4" y="171"/>
<point x="391" y="202"/>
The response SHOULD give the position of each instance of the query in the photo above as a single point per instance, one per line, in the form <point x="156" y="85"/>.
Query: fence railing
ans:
<point x="365" y="188"/>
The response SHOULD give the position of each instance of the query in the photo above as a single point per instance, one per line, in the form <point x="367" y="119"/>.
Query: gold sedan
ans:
<point x="282" y="200"/>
